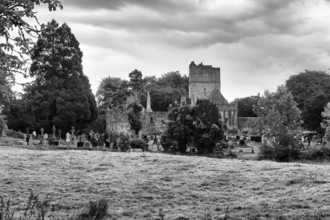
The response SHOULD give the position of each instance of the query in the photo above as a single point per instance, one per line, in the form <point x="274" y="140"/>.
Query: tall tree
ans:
<point x="175" y="80"/>
<point x="278" y="113"/>
<point x="136" y="82"/>
<point x="311" y="91"/>
<point x="134" y="117"/>
<point x="61" y="94"/>
<point x="112" y="92"/>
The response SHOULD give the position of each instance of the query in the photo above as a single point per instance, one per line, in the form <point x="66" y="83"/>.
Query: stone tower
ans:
<point x="203" y="79"/>
<point x="205" y="83"/>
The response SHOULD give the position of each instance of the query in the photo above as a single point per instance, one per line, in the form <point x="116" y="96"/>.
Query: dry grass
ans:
<point x="142" y="185"/>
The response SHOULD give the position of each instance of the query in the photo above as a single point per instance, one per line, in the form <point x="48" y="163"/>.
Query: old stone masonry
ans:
<point x="205" y="83"/>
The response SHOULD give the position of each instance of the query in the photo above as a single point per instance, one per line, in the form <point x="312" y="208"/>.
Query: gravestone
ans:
<point x="29" y="141"/>
<point x="91" y="135"/>
<point x="4" y="131"/>
<point x="42" y="131"/>
<point x="68" y="138"/>
<point x="25" y="139"/>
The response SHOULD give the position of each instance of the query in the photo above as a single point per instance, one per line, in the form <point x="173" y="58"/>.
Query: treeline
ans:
<point x="311" y="92"/>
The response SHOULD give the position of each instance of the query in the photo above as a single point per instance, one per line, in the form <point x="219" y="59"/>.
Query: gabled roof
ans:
<point x="217" y="98"/>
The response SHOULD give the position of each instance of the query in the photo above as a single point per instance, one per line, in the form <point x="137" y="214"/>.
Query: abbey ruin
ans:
<point x="204" y="83"/>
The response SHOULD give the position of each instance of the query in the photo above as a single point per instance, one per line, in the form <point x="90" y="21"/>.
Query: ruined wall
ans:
<point x="203" y="79"/>
<point x="154" y="122"/>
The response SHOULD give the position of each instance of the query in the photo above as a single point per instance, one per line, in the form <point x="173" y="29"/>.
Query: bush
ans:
<point x="139" y="143"/>
<point x="123" y="142"/>
<point x="286" y="149"/>
<point x="15" y="134"/>
<point x="166" y="141"/>
<point x="94" y="210"/>
<point x="316" y="153"/>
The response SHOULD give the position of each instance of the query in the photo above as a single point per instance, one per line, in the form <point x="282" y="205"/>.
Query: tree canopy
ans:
<point x="60" y="94"/>
<point x="245" y="106"/>
<point x="200" y="125"/>
<point x="278" y="113"/>
<point x="311" y="91"/>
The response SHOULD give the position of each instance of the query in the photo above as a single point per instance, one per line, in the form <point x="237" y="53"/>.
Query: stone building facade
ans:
<point x="205" y="83"/>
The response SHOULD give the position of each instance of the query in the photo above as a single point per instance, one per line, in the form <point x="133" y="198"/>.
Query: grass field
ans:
<point x="140" y="185"/>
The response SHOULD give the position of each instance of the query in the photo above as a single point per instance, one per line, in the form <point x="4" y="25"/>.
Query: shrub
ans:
<point x="139" y="143"/>
<point x="284" y="150"/>
<point x="123" y="142"/>
<point x="15" y="134"/>
<point x="35" y="208"/>
<point x="166" y="141"/>
<point x="316" y="153"/>
<point x="95" y="210"/>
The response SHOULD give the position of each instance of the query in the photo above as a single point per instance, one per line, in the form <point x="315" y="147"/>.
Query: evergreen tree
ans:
<point x="136" y="82"/>
<point x="134" y="116"/>
<point x="61" y="93"/>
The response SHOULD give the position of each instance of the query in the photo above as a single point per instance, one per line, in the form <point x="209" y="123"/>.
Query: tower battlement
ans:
<point x="204" y="74"/>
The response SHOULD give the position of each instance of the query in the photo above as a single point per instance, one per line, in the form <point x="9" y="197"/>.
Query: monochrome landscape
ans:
<point x="167" y="109"/>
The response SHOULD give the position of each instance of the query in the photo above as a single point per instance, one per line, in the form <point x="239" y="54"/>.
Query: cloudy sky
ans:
<point x="257" y="44"/>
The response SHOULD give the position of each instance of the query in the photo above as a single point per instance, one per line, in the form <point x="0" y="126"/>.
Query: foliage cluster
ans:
<point x="134" y="116"/>
<point x="199" y="125"/>
<point x="123" y="142"/>
<point x="245" y="106"/>
<point x="326" y="122"/>
<point x="278" y="114"/>
<point x="285" y="149"/>
<point x="138" y="144"/>
<point x="311" y="91"/>
<point x="315" y="153"/>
